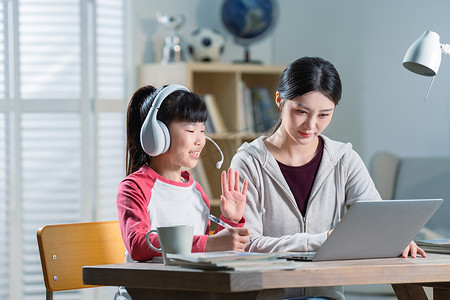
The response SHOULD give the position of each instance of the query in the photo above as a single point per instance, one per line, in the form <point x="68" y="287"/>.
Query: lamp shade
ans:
<point x="424" y="55"/>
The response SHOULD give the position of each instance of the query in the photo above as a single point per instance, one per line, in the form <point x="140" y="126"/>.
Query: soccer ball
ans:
<point x="206" y="44"/>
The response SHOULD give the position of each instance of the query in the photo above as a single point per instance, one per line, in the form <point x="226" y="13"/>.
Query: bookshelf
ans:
<point x="227" y="83"/>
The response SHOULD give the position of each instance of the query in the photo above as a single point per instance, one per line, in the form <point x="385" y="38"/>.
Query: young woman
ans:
<point x="300" y="181"/>
<point x="165" y="134"/>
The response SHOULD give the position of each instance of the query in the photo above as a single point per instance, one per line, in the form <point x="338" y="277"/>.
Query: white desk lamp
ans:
<point x="423" y="57"/>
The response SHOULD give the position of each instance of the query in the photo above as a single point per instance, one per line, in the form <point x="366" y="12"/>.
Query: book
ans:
<point x="209" y="126"/>
<point x="248" y="104"/>
<point x="245" y="109"/>
<point x="214" y="114"/>
<point x="435" y="246"/>
<point x="233" y="260"/>
<point x="264" y="112"/>
<point x="241" y="115"/>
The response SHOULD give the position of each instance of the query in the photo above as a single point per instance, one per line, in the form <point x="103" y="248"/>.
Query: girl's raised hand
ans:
<point x="232" y="200"/>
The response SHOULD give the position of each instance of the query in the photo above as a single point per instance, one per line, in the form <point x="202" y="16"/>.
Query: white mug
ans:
<point x="175" y="239"/>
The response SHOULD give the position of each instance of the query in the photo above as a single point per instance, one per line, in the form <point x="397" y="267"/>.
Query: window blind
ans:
<point x="67" y="112"/>
<point x="51" y="183"/>
<point x="50" y="49"/>
<point x="3" y="61"/>
<point x="111" y="162"/>
<point x="4" y="168"/>
<point x="49" y="53"/>
<point x="110" y="49"/>
<point x="110" y="93"/>
<point x="4" y="211"/>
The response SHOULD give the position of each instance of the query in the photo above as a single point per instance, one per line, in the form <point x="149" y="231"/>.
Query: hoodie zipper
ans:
<point x="287" y="196"/>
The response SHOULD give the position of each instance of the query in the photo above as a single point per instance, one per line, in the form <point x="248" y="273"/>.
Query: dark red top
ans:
<point x="301" y="179"/>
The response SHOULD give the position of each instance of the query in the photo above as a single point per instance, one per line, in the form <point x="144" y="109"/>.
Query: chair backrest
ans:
<point x="384" y="168"/>
<point x="414" y="178"/>
<point x="65" y="248"/>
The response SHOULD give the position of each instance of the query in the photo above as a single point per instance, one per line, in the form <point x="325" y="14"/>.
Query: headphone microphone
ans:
<point x="220" y="162"/>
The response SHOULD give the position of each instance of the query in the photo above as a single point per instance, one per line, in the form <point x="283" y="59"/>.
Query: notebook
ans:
<point x="374" y="229"/>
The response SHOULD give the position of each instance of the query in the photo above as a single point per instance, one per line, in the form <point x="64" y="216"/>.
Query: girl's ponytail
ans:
<point x="135" y="156"/>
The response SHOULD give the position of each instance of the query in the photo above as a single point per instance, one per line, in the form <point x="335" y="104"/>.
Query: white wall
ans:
<point x="382" y="106"/>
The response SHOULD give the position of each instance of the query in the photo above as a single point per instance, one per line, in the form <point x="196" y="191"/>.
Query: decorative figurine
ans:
<point x="173" y="50"/>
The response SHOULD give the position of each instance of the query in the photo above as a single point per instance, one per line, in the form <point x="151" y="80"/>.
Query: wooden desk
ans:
<point x="156" y="281"/>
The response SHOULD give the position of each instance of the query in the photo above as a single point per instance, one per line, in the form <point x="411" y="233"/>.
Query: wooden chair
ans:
<point x="66" y="248"/>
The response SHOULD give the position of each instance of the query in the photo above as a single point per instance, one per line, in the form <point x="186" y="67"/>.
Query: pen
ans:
<point x="219" y="221"/>
<point x="222" y="223"/>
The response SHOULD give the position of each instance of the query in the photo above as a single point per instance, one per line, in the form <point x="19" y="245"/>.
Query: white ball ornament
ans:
<point x="206" y="45"/>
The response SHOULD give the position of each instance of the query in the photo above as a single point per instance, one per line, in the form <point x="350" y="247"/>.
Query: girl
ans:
<point x="169" y="123"/>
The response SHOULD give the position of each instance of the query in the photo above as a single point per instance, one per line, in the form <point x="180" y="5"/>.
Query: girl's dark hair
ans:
<point x="309" y="74"/>
<point x="178" y="106"/>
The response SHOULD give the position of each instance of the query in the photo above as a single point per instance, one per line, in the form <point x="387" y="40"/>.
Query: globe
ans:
<point x="249" y="21"/>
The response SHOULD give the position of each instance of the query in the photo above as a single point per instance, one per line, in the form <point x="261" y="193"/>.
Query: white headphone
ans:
<point x="155" y="137"/>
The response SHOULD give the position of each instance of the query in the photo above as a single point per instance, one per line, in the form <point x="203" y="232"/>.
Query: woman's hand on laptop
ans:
<point x="413" y="250"/>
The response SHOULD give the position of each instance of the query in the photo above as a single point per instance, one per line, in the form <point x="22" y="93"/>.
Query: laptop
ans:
<point x="374" y="229"/>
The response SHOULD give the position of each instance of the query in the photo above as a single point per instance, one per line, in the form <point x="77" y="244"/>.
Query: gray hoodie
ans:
<point x="272" y="215"/>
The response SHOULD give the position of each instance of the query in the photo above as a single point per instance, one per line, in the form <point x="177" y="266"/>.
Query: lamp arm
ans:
<point x="445" y="49"/>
